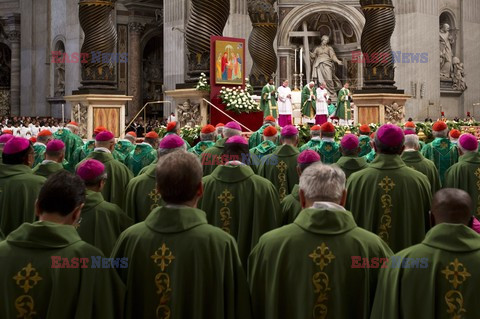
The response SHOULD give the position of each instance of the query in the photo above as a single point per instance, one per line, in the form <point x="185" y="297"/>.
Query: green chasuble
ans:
<point x="143" y="155"/>
<point x="82" y="152"/>
<point x="370" y="157"/>
<point x="305" y="269"/>
<point x="364" y="144"/>
<point x="45" y="276"/>
<point x="268" y="103"/>
<point x="71" y="141"/>
<point x="465" y="175"/>
<point x="313" y="144"/>
<point x="19" y="189"/>
<point x="419" y="163"/>
<point x="351" y="164"/>
<point x="329" y="152"/>
<point x="257" y="137"/>
<point x="438" y="278"/>
<point x="264" y="148"/>
<point x="280" y="168"/>
<point x="241" y="203"/>
<point x="291" y="206"/>
<point x="118" y="177"/>
<point x="343" y="109"/>
<point x="47" y="169"/>
<point x="39" y="149"/>
<point x="181" y="267"/>
<point x="391" y="200"/>
<point x="443" y="153"/>
<point x="331" y="109"/>
<point x="211" y="157"/>
<point x="309" y="105"/>
<point x="201" y="147"/>
<point x="142" y="196"/>
<point x="124" y="147"/>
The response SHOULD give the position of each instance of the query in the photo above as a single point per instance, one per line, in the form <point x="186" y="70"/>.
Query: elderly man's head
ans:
<point x="322" y="183"/>
<point x="451" y="206"/>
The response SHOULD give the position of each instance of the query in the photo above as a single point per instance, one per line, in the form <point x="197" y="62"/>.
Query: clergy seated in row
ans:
<point x="308" y="268"/>
<point x="208" y="136"/>
<point x="212" y="156"/>
<point x="414" y="159"/>
<point x="40" y="146"/>
<point x="466" y="173"/>
<point x="441" y="150"/>
<point x="280" y="167"/>
<point x="439" y="277"/>
<point x="179" y="266"/>
<point x="350" y="162"/>
<point x="31" y="288"/>
<point x="257" y="137"/>
<point x="268" y="145"/>
<point x="315" y="139"/>
<point x="118" y="174"/>
<point x="102" y="222"/>
<point x="364" y="140"/>
<point x="54" y="157"/>
<point x="19" y="187"/>
<point x="142" y="196"/>
<point x="238" y="201"/>
<point x="290" y="205"/>
<point x="388" y="198"/>
<point x="126" y="145"/>
<point x="143" y="154"/>
<point x="68" y="135"/>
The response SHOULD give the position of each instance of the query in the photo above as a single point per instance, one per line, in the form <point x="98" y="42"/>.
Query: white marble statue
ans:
<point x="323" y="68"/>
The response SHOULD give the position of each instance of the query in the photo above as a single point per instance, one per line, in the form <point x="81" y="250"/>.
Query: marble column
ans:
<point x="135" y="30"/>
<point x="14" y="38"/>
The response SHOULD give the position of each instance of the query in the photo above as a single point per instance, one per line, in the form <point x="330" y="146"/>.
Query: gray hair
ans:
<point x="443" y="133"/>
<point x="270" y="138"/>
<point x="323" y="183"/>
<point x="208" y="136"/>
<point x="164" y="151"/>
<point x="229" y="132"/>
<point x="130" y="138"/>
<point x="412" y="142"/>
<point x="464" y="151"/>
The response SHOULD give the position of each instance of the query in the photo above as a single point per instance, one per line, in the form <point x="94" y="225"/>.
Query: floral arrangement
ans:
<point x="202" y="84"/>
<point x="238" y="100"/>
<point x="189" y="134"/>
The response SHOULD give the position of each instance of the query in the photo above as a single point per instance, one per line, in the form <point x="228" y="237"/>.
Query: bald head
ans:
<point x="452" y="206"/>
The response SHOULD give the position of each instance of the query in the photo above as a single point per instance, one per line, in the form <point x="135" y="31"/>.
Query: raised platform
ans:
<point x="380" y="108"/>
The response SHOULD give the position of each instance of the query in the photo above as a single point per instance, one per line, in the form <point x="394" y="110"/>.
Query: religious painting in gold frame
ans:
<point x="109" y="117"/>
<point x="229" y="61"/>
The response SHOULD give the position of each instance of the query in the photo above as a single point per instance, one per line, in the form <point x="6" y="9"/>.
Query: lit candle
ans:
<point x="296" y="61"/>
<point x="301" y="60"/>
<point x="63" y="113"/>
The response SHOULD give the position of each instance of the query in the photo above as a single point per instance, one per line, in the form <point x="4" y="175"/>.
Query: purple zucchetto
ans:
<point x="5" y="138"/>
<point x="16" y="145"/>
<point x="390" y="135"/>
<point x="233" y="125"/>
<point x="289" y="130"/>
<point x="104" y="136"/>
<point x="90" y="169"/>
<point x="308" y="157"/>
<point x="171" y="141"/>
<point x="468" y="142"/>
<point x="349" y="142"/>
<point x="55" y="146"/>
<point x="237" y="139"/>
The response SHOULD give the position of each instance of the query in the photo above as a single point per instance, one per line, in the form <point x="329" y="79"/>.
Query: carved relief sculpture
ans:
<point x="394" y="113"/>
<point x="189" y="114"/>
<point x="458" y="75"/>
<point x="446" y="53"/>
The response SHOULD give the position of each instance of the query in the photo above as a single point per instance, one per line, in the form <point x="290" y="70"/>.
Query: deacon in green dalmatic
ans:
<point x="40" y="146"/>
<point x="301" y="270"/>
<point x="448" y="286"/>
<point x="208" y="137"/>
<point x="350" y="162"/>
<point x="178" y="265"/>
<point x="19" y="187"/>
<point x="309" y="98"/>
<point x="54" y="156"/>
<point x="280" y="167"/>
<point x="389" y="198"/>
<point x="268" y="102"/>
<point x="256" y="137"/>
<point x="465" y="174"/>
<point x="143" y="154"/>
<point x="236" y="200"/>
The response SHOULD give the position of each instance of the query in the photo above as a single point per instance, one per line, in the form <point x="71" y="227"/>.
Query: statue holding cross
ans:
<point x="323" y="67"/>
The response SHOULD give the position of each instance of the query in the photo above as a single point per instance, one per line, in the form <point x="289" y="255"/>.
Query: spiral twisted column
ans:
<point x="379" y="74"/>
<point x="96" y="20"/>
<point x="207" y="18"/>
<point x="260" y="43"/>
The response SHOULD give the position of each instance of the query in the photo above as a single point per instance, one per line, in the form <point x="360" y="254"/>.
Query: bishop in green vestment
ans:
<point x="174" y="128"/>
<point x="40" y="145"/>
<point x="144" y="154"/>
<point x="280" y="167"/>
<point x="389" y="198"/>
<point x="72" y="141"/>
<point x="414" y="159"/>
<point x="257" y="137"/>
<point x="344" y="112"/>
<point x="179" y="265"/>
<point x="241" y="203"/>
<point x="441" y="150"/>
<point x="370" y="157"/>
<point x="465" y="174"/>
<point x="364" y="140"/>
<point x="268" y="146"/>
<point x="54" y="157"/>
<point x="118" y="175"/>
<point x="290" y="205"/>
<point x="102" y="222"/>
<point x="19" y="187"/>
<point x="315" y="139"/>
<point x="439" y="277"/>
<point x="50" y="271"/>
<point x="142" y="196"/>
<point x="316" y="266"/>
<point x="350" y="162"/>
<point x="208" y="136"/>
<point x="309" y="98"/>
<point x="127" y="145"/>
<point x="328" y="149"/>
<point x="268" y="101"/>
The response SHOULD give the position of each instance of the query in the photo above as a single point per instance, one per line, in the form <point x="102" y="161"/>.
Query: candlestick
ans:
<point x="63" y="113"/>
<point x="301" y="60"/>
<point x="296" y="61"/>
